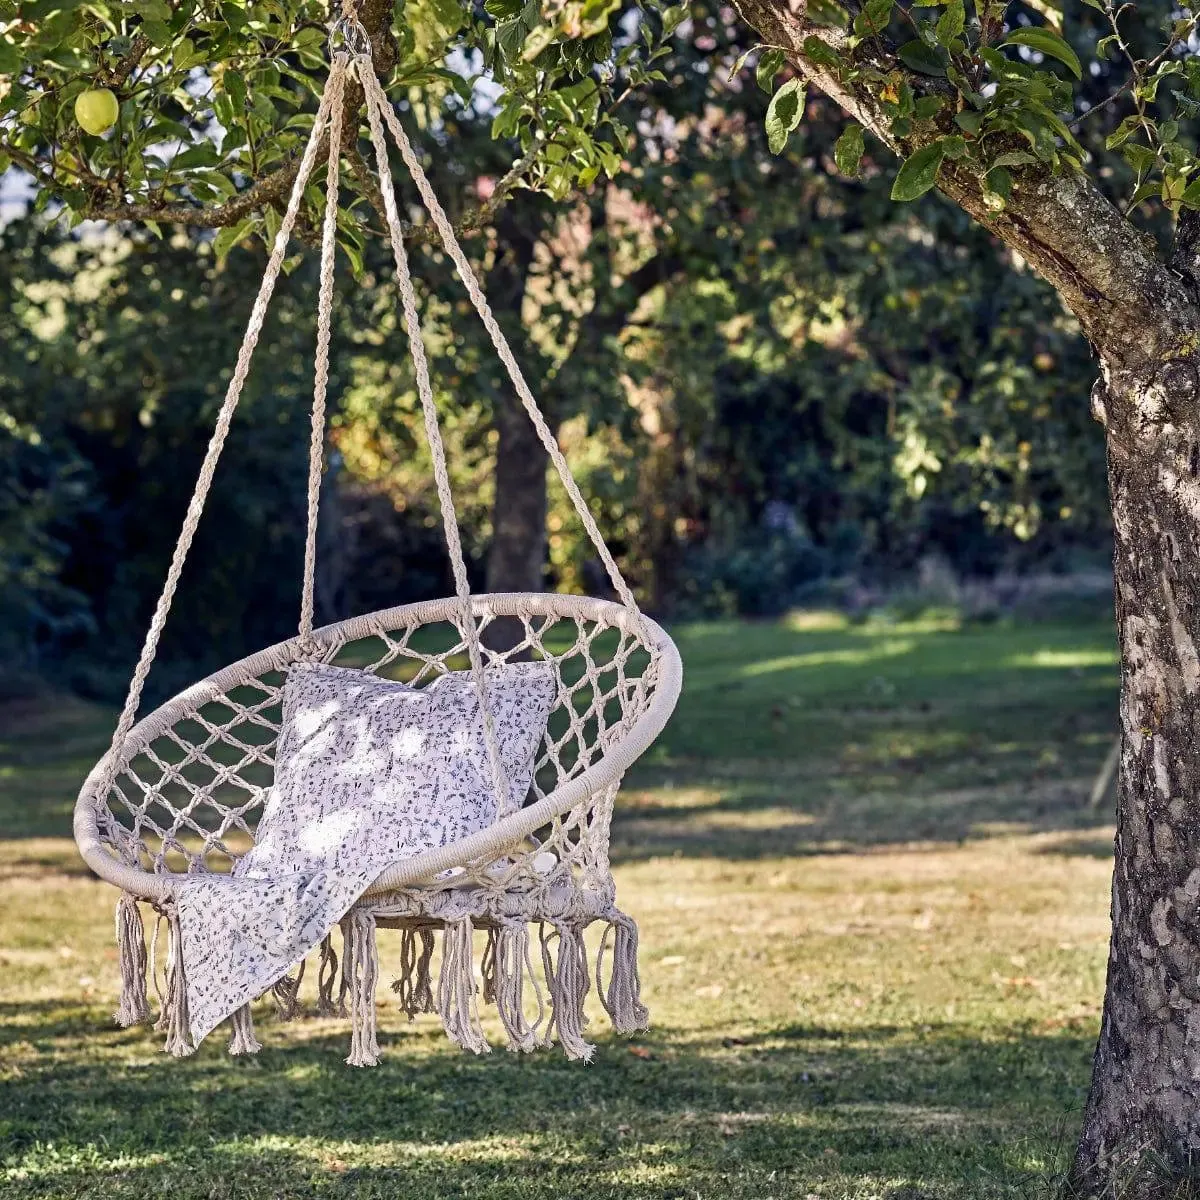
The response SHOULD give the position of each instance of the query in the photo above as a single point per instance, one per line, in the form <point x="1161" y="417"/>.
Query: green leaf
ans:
<point x="736" y="69"/>
<point x="1015" y="158"/>
<point x="1000" y="182"/>
<point x="1191" y="194"/>
<point x="1123" y="132"/>
<point x="919" y="172"/>
<point x="952" y="22"/>
<point x="229" y="237"/>
<point x="672" y="18"/>
<point x="503" y="10"/>
<point x="1145" y="192"/>
<point x="185" y="55"/>
<point x="922" y="58"/>
<point x="928" y="107"/>
<point x="203" y="155"/>
<point x="968" y="121"/>
<point x="849" y="149"/>
<point x="874" y="18"/>
<point x="1140" y="158"/>
<point x="784" y="113"/>
<point x="821" y="52"/>
<point x="10" y="58"/>
<point x="768" y="67"/>
<point x="1046" y="41"/>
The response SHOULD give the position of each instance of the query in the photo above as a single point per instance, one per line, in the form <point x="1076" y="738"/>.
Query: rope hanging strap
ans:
<point x="377" y="104"/>
<point x="329" y="117"/>
<point x="333" y="90"/>
<point x="321" y="370"/>
<point x="412" y="322"/>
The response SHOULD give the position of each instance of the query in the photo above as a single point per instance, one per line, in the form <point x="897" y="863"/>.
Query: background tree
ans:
<point x="1068" y="141"/>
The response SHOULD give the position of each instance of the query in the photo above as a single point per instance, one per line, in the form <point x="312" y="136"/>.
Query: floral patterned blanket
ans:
<point x="367" y="772"/>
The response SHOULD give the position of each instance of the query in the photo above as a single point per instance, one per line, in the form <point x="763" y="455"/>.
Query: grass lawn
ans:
<point x="873" y="906"/>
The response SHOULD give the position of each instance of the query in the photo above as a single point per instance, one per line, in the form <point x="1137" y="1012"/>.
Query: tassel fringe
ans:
<point x="327" y="980"/>
<point x="569" y="983"/>
<point x="487" y="966"/>
<point x="286" y="991"/>
<point x="506" y="966"/>
<point x="511" y="964"/>
<point x="133" y="1007"/>
<point x="243" y="1040"/>
<point x="622" y="999"/>
<point x="360" y="972"/>
<point x="413" y="985"/>
<point x="174" y="1018"/>
<point x="456" y="988"/>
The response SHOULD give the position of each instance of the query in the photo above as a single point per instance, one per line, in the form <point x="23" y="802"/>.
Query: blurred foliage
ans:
<point x="214" y="96"/>
<point x="770" y="380"/>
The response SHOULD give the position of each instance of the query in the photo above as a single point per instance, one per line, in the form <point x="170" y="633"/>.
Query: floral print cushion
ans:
<point x="367" y="771"/>
<point x="407" y="768"/>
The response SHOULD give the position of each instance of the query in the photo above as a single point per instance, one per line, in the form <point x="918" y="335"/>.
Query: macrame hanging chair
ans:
<point x="181" y="790"/>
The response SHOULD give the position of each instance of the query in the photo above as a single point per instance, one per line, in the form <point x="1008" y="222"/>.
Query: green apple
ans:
<point x="96" y="110"/>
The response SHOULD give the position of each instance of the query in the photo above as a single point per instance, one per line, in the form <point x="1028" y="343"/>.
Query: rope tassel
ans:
<point x="512" y="964"/>
<point x="361" y="970"/>
<point x="286" y="990"/>
<point x="622" y="999"/>
<point x="569" y="982"/>
<point x="327" y="977"/>
<point x="174" y="1017"/>
<point x="456" y="988"/>
<point x="133" y="1007"/>
<point x="413" y="984"/>
<point x="243" y="1040"/>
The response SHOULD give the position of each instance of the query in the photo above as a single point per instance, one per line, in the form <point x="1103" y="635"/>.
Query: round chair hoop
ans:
<point x="656" y="689"/>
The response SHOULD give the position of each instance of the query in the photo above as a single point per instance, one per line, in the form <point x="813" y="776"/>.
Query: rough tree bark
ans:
<point x="1145" y="1093"/>
<point x="517" y="556"/>
<point x="1141" y="1131"/>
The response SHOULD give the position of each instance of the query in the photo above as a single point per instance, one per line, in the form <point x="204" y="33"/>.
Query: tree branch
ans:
<point x="1131" y="306"/>
<point x="127" y="65"/>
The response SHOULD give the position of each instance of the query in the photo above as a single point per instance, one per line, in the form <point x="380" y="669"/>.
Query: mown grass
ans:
<point x="873" y="905"/>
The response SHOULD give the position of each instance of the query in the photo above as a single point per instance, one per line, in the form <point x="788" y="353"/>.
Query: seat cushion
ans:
<point x="366" y="761"/>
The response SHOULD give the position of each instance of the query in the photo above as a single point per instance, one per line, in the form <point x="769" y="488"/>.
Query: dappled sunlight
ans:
<point x="873" y="927"/>
<point x="891" y="648"/>
<point x="815" y="621"/>
<point x="1095" y="657"/>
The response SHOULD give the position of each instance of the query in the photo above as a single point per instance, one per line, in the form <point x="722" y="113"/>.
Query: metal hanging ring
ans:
<point x="348" y="36"/>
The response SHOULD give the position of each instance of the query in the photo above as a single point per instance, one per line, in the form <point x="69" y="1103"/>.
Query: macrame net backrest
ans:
<point x="189" y="792"/>
<point x="183" y="789"/>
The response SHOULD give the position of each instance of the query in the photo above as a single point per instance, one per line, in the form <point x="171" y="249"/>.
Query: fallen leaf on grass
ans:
<point x="1016" y="981"/>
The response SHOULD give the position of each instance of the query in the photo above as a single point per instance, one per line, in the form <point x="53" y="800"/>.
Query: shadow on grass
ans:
<point x="786" y="741"/>
<point x="776" y="1114"/>
<point x="757" y="810"/>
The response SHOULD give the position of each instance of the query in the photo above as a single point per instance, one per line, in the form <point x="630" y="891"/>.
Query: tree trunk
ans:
<point x="1142" y="315"/>
<point x="517" y="557"/>
<point x="1141" y="1132"/>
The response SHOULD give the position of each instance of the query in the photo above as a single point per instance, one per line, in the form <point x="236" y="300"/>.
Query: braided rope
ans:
<point x="378" y="99"/>
<point x="336" y="88"/>
<point x="220" y="432"/>
<point x="467" y="626"/>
